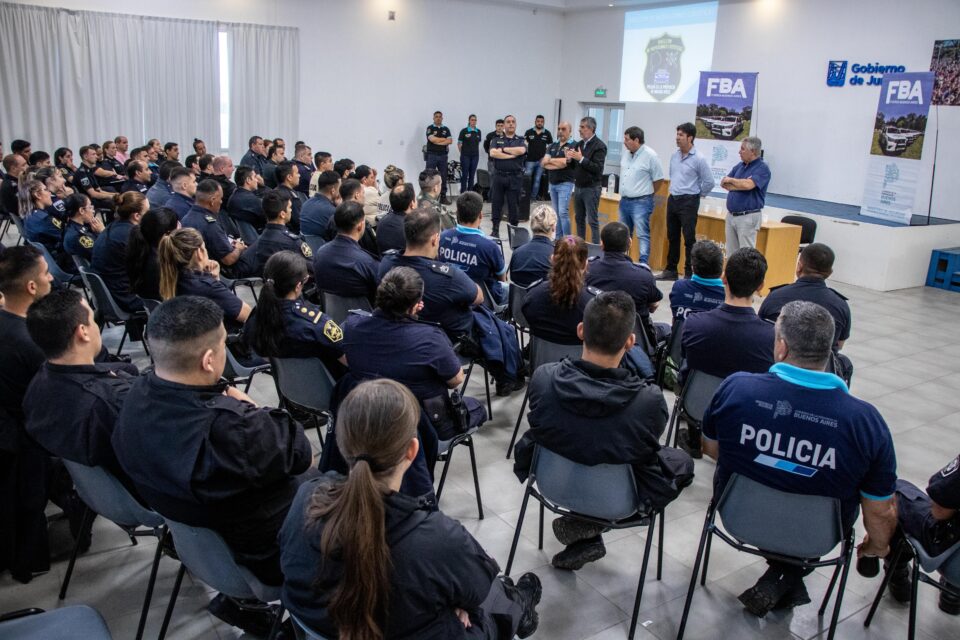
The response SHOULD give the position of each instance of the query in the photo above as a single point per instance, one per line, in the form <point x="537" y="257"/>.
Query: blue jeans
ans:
<point x="468" y="171"/>
<point x="635" y="213"/>
<point x="534" y="169"/>
<point x="560" y="197"/>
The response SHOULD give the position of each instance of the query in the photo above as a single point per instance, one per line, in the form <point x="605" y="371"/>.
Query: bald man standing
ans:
<point x="560" y="174"/>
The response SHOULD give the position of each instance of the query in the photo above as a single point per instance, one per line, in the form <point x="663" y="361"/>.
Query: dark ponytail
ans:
<point x="375" y="424"/>
<point x="281" y="275"/>
<point x="398" y="291"/>
<point x="144" y="239"/>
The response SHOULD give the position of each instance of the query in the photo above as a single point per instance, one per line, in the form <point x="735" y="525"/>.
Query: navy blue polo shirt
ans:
<point x="41" y="227"/>
<point x="343" y="268"/>
<point x="469" y="140"/>
<point x="810" y="289"/>
<point x="315" y="214"/>
<point x="197" y="283"/>
<point x="214" y="237"/>
<point x="726" y="340"/>
<point x="801" y="431"/>
<point x="514" y="164"/>
<point x="179" y="204"/>
<point x="84" y="179"/>
<point x="110" y="263"/>
<point x="440" y="132"/>
<point x="537" y="143"/>
<point x="531" y="261"/>
<point x="390" y="233"/>
<point x="759" y="172"/>
<point x="448" y="292"/>
<point x="558" y="150"/>
<point x="253" y="160"/>
<point x="417" y="354"/>
<point x="78" y="240"/>
<point x="695" y="294"/>
<point x="614" y="271"/>
<point x="550" y="321"/>
<point x="474" y="253"/>
<point x="133" y="185"/>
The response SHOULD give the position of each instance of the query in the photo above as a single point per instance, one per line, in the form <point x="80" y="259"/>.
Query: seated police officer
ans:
<point x="161" y="190"/>
<point x="83" y="226"/>
<point x="351" y="189"/>
<point x="184" y="185"/>
<point x="471" y="250"/>
<point x="222" y="170"/>
<point x="15" y="166"/>
<point x="592" y="411"/>
<point x="933" y="519"/>
<point x="110" y="250"/>
<point x="245" y="204"/>
<point x="554" y="307"/>
<point x="390" y="237"/>
<point x="203" y="453"/>
<point x="276" y="235"/>
<point x="530" y="262"/>
<point x="704" y="290"/>
<point x="203" y="217"/>
<point x="341" y="266"/>
<point x="138" y="178"/>
<point x="288" y="177"/>
<point x="38" y="225"/>
<point x="431" y="183"/>
<point x="318" y="210"/>
<point x="814" y="266"/>
<point x="830" y="443"/>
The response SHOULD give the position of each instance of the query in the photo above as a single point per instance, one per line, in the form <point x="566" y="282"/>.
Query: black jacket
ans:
<point x="589" y="171"/>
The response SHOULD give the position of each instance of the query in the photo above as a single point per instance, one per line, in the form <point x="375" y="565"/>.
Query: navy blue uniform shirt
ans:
<point x="695" y="294"/>
<point x="57" y="208"/>
<point x="558" y="150"/>
<point x="944" y="486"/>
<point x="41" y="227"/>
<point x="110" y="263"/>
<point x="801" y="431"/>
<point x="159" y="193"/>
<point x="179" y="204"/>
<point x="307" y="333"/>
<point x="515" y="163"/>
<point x="448" y="293"/>
<point x="474" y="253"/>
<point x="810" y="289"/>
<point x="440" y="132"/>
<point x="84" y="180"/>
<point x="315" y="214"/>
<point x="469" y="140"/>
<point x="254" y="161"/>
<point x="306" y="171"/>
<point x="133" y="185"/>
<point x="615" y="271"/>
<point x="78" y="240"/>
<point x="726" y="340"/>
<point x="390" y="233"/>
<point x="246" y="205"/>
<point x="531" y="261"/>
<point x="296" y="204"/>
<point x="550" y="321"/>
<point x="196" y="283"/>
<point x="343" y="268"/>
<point x="275" y="238"/>
<point x="759" y="172"/>
<point x="214" y="237"/>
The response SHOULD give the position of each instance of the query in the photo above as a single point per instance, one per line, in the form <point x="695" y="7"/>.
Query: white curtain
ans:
<point x="264" y="88"/>
<point x="74" y="77"/>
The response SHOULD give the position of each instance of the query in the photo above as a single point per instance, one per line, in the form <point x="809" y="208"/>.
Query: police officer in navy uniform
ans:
<point x="203" y="217"/>
<point x="439" y="140"/>
<point x="288" y="177"/>
<point x="468" y="247"/>
<point x="184" y="185"/>
<point x="276" y="236"/>
<point x="138" y="178"/>
<point x="341" y="266"/>
<point x="704" y="291"/>
<point x="468" y="142"/>
<point x="530" y="262"/>
<point x="83" y="227"/>
<point x="245" y="204"/>
<point x="508" y="153"/>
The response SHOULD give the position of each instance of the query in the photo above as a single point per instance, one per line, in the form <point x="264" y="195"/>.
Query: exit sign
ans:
<point x="600" y="92"/>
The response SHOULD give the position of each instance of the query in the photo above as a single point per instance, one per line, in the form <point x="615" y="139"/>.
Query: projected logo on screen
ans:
<point x="662" y="75"/>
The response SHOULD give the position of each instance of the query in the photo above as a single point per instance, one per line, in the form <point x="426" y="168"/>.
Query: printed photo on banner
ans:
<point x="945" y="64"/>
<point x="901" y="117"/>
<point x="725" y="105"/>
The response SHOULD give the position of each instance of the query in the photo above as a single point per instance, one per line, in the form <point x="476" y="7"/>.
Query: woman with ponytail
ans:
<point x="143" y="266"/>
<point x="284" y="325"/>
<point x="83" y="226"/>
<point x="361" y="561"/>
<point x="187" y="270"/>
<point x="555" y="306"/>
<point x="110" y="250"/>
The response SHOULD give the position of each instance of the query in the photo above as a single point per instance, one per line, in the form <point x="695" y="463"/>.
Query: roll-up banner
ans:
<point x="725" y="115"/>
<point x="893" y="168"/>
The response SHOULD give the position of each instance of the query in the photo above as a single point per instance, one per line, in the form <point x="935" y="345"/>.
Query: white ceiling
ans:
<point x="573" y="6"/>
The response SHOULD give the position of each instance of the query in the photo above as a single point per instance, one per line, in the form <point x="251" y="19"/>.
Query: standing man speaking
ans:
<point x="747" y="183"/>
<point x="588" y="159"/>
<point x="507" y="153"/>
<point x="640" y="176"/>
<point x="439" y="140"/>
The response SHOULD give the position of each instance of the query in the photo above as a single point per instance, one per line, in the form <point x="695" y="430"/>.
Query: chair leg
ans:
<point x="839" y="601"/>
<point x="696" y="570"/>
<point x="706" y="562"/>
<point x="516" y="428"/>
<point x="85" y="522"/>
<point x="476" y="477"/>
<point x="486" y="383"/>
<point x="826" y="596"/>
<point x="643" y="576"/>
<point x="914" y="583"/>
<point x="275" y="627"/>
<point x="443" y="475"/>
<point x="173" y="602"/>
<point x="883" y="584"/>
<point x="466" y="378"/>
<point x="542" y="513"/>
<point x="673" y="427"/>
<point x="663" y="519"/>
<point x="151" y="583"/>
<point x="123" y="338"/>
<point x="516" y="533"/>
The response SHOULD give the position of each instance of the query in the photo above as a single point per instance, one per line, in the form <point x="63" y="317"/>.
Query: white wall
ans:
<point x="789" y="44"/>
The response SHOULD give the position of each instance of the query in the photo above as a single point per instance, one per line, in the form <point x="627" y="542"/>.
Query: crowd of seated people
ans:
<point x="204" y="453"/>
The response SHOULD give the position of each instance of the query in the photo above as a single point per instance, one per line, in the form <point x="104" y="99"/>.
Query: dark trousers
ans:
<point x="681" y="216"/>
<point x="498" y="616"/>
<point x="505" y="187"/>
<point x="438" y="161"/>
<point x="468" y="172"/>
<point x="586" y="201"/>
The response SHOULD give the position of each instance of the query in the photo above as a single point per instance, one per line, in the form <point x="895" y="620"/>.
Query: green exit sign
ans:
<point x="600" y="92"/>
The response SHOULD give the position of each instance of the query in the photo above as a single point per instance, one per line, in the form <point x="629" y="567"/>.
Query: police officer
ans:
<point x="88" y="183"/>
<point x="83" y="227"/>
<point x="530" y="262"/>
<point x="109" y="259"/>
<point x="276" y="236"/>
<point x="318" y="210"/>
<point x="561" y="176"/>
<point x="538" y="139"/>
<point x="467" y="247"/>
<point x="468" y="142"/>
<point x="288" y="177"/>
<point x="704" y="291"/>
<point x="39" y="225"/>
<point x="184" y="185"/>
<point x="403" y="199"/>
<point x="341" y="266"/>
<point x="439" y="140"/>
<point x="138" y="178"/>
<point x="301" y="158"/>
<point x="245" y="204"/>
<point x="496" y="133"/>
<point x="508" y="152"/>
<point x="15" y="166"/>
<point x="203" y="217"/>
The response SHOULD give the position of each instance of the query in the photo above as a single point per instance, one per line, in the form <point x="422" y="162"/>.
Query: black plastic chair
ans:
<point x="483" y="183"/>
<point x="489" y="301"/>
<point x="306" y="384"/>
<point x="237" y="373"/>
<point x="445" y="450"/>
<point x="469" y="363"/>
<point x="541" y="352"/>
<point x="250" y="282"/>
<point x="248" y="233"/>
<point x="105" y="306"/>
<point x="692" y="402"/>
<point x="808" y="228"/>
<point x="593" y="250"/>
<point x="60" y="277"/>
<point x="339" y="307"/>
<point x="229" y="224"/>
<point x="515" y="310"/>
<point x="776" y="525"/>
<point x="18" y="223"/>
<point x="603" y="494"/>
<point x="517" y="236"/>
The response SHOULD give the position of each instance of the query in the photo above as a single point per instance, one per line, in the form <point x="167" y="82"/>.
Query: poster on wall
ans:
<point x="945" y="64"/>
<point x="893" y="168"/>
<point x="725" y="113"/>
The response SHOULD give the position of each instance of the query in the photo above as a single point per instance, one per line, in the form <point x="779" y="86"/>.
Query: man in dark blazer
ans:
<point x="588" y="159"/>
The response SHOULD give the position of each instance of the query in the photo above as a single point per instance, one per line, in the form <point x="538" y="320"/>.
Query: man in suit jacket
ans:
<point x="588" y="159"/>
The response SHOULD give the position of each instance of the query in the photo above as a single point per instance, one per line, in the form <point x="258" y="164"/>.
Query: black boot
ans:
<point x="949" y="603"/>
<point x="690" y="442"/>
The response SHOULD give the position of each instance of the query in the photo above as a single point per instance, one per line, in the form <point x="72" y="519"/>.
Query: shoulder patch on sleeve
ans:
<point x="440" y="267"/>
<point x="56" y="222"/>
<point x="951" y="468"/>
<point x="86" y="242"/>
<point x="594" y="291"/>
<point x="209" y="218"/>
<point x="306" y="250"/>
<point x="779" y="286"/>
<point x="333" y="331"/>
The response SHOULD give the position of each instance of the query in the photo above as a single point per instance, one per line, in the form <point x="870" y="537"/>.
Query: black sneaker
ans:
<point x="580" y="553"/>
<point x="506" y="387"/>
<point x="762" y="597"/>
<point x="529" y="591"/>
<point x="666" y="275"/>
<point x="495" y="232"/>
<point x="254" y="618"/>
<point x="690" y="442"/>
<point x="949" y="603"/>
<point x="445" y="200"/>
<point x="899" y="585"/>
<point x="570" y="530"/>
<point x="795" y="597"/>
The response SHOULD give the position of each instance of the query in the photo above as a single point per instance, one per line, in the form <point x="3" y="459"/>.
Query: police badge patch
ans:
<point x="662" y="75"/>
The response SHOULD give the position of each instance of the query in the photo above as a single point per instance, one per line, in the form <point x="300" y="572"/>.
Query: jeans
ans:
<point x="586" y="200"/>
<point x="505" y="187"/>
<point x="682" y="212"/>
<point x="635" y="213"/>
<point x="560" y="197"/>
<point x="438" y="161"/>
<point x="468" y="171"/>
<point x="741" y="231"/>
<point x="534" y="169"/>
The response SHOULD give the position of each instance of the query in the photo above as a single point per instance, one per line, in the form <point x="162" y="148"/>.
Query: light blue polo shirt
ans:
<point x="638" y="172"/>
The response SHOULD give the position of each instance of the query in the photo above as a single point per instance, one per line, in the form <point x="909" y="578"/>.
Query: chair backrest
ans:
<point x="77" y="621"/>
<point x="791" y="524"/>
<point x="593" y="250"/>
<point x="247" y="231"/>
<point x="304" y="382"/>
<point x="314" y="242"/>
<point x="488" y="300"/>
<point x="103" y="300"/>
<point x="209" y="558"/>
<point x="947" y="563"/>
<point x="61" y="277"/>
<point x="698" y="392"/>
<point x="516" y="295"/>
<point x="483" y="178"/>
<point x="807" y="225"/>
<point x="229" y="224"/>
<point x="303" y="632"/>
<point x="80" y="261"/>
<point x="103" y="493"/>
<point x="674" y="346"/>
<point x="517" y="236"/>
<point x="338" y="307"/>
<point x="543" y="351"/>
<point x="233" y="368"/>
<point x="645" y="334"/>
<point x="150" y="305"/>
<point x="604" y="491"/>
<point x="18" y="222"/>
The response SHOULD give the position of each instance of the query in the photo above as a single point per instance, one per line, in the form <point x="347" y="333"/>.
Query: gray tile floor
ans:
<point x="906" y="349"/>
